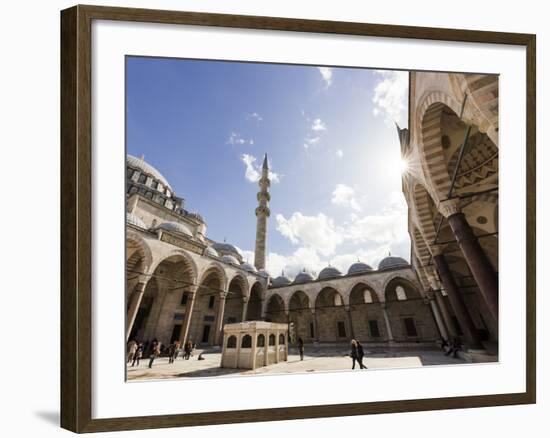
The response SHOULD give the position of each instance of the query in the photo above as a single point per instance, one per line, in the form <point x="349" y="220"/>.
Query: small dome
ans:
<point x="329" y="272"/>
<point x="196" y="217"/>
<point x="147" y="168"/>
<point x="392" y="262"/>
<point x="303" y="277"/>
<point x="358" y="267"/>
<point x="226" y="249"/>
<point x="231" y="260"/>
<point x="280" y="281"/>
<point x="248" y="267"/>
<point x="132" y="219"/>
<point x="263" y="273"/>
<point x="175" y="227"/>
<point x="211" y="252"/>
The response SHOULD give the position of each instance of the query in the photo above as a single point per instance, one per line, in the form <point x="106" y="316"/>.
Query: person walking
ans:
<point x="301" y="348"/>
<point x="177" y="349"/>
<point x="360" y="355"/>
<point x="170" y="352"/>
<point x="356" y="354"/>
<point x="187" y="350"/>
<point x="137" y="355"/>
<point x="155" y="352"/>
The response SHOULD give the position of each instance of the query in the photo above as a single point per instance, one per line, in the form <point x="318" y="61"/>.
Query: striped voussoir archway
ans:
<point x="430" y="145"/>
<point x="424" y="213"/>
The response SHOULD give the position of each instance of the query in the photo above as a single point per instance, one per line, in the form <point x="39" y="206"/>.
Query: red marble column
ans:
<point x="464" y="319"/>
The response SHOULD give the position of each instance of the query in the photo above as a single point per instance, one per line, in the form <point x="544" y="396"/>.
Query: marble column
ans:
<point x="464" y="319"/>
<point x="350" y="322"/>
<point x="315" y="328"/>
<point x="387" y="321"/>
<point x="219" y="318"/>
<point x="135" y="301"/>
<point x="436" y="288"/>
<point x="475" y="257"/>
<point x="245" y="308"/>
<point x="438" y="318"/>
<point x="191" y="295"/>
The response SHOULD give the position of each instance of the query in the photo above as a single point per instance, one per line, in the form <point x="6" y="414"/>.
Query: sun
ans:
<point x="403" y="166"/>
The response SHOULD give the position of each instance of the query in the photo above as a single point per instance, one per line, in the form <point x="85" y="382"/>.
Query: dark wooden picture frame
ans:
<point x="76" y="217"/>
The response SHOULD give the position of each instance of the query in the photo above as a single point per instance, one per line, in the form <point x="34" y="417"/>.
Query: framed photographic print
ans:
<point x="260" y="213"/>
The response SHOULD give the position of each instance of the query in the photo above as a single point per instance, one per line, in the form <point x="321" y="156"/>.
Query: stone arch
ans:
<point x="237" y="291"/>
<point x="300" y="316"/>
<point x="357" y="294"/>
<point x="366" y="284"/>
<point x="275" y="309"/>
<point x="138" y="252"/>
<point x="218" y="269"/>
<point x="412" y="291"/>
<point x="256" y="297"/>
<point x="190" y="264"/>
<point x="430" y="144"/>
<point x="424" y="205"/>
<point x="331" y="316"/>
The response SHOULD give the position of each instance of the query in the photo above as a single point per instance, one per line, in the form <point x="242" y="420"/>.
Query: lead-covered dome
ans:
<point x="145" y="167"/>
<point x="359" y="267"/>
<point x="132" y="219"/>
<point x="303" y="277"/>
<point x="226" y="249"/>
<point x="392" y="262"/>
<point x="175" y="227"/>
<point x="329" y="272"/>
<point x="280" y="281"/>
<point x="211" y="252"/>
<point x="230" y="259"/>
<point x="248" y="267"/>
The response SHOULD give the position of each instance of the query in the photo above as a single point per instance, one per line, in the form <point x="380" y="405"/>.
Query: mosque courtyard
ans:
<point x="325" y="358"/>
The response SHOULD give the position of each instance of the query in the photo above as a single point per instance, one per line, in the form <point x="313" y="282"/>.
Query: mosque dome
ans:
<point x="132" y="219"/>
<point x="248" y="267"/>
<point x="281" y="281"/>
<point x="226" y="249"/>
<point x="303" y="277"/>
<point x="196" y="217"/>
<point x="329" y="272"/>
<point x="392" y="262"/>
<point x="211" y="252"/>
<point x="230" y="260"/>
<point x="145" y="167"/>
<point x="263" y="273"/>
<point x="175" y="227"/>
<point x="359" y="267"/>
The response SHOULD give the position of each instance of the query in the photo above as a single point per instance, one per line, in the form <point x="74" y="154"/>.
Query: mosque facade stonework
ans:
<point x="181" y="285"/>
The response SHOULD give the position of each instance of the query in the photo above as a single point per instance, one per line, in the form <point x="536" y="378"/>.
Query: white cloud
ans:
<point x="254" y="116"/>
<point x="318" y="125"/>
<point x="390" y="96"/>
<point x="339" y="153"/>
<point x="344" y="196"/>
<point x="320" y="242"/>
<point x="253" y="170"/>
<point x="316" y="232"/>
<point x="326" y="73"/>
<point x="237" y="139"/>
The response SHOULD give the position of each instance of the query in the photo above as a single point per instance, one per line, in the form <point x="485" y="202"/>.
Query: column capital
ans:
<point x="312" y="309"/>
<point x="347" y="307"/>
<point x="245" y="299"/>
<point x="223" y="295"/>
<point x="449" y="207"/>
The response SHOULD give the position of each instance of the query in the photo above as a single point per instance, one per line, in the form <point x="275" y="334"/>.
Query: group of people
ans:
<point x="155" y="349"/>
<point x="451" y="348"/>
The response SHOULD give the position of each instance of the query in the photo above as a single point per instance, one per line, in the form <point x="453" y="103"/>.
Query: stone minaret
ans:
<point x="262" y="213"/>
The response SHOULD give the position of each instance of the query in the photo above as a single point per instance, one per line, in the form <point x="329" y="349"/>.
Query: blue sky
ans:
<point x="331" y="141"/>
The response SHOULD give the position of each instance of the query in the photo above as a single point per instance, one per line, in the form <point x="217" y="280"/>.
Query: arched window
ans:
<point x="261" y="341"/>
<point x="337" y="300"/>
<point x="281" y="339"/>
<point x="368" y="296"/>
<point x="232" y="342"/>
<point x="246" y="342"/>
<point x="271" y="339"/>
<point x="400" y="293"/>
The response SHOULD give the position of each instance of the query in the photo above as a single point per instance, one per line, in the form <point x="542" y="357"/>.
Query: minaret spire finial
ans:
<point x="266" y="164"/>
